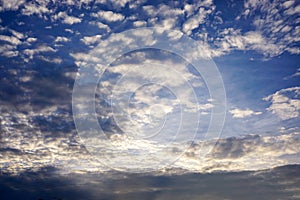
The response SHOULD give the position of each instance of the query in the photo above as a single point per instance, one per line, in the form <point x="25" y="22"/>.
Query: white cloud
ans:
<point x="109" y="16"/>
<point x="100" y="25"/>
<point x="71" y="20"/>
<point x="232" y="39"/>
<point x="150" y="10"/>
<point x="61" y="39"/>
<point x="66" y="19"/>
<point x="31" y="39"/>
<point x="88" y="40"/>
<point x="84" y="58"/>
<point x="118" y="4"/>
<point x="205" y="106"/>
<point x="280" y="34"/>
<point x="288" y="4"/>
<point x="39" y="8"/>
<point x="293" y="10"/>
<point x="240" y="113"/>
<point x="195" y="21"/>
<point x="34" y="151"/>
<point x="10" y="39"/>
<point x="9" y="51"/>
<point x="69" y="30"/>
<point x="163" y="15"/>
<point x="189" y="9"/>
<point x="39" y="49"/>
<point x="296" y="73"/>
<point x="50" y="60"/>
<point x="11" y="4"/>
<point x="139" y="23"/>
<point x="17" y="34"/>
<point x="163" y="11"/>
<point x="285" y="103"/>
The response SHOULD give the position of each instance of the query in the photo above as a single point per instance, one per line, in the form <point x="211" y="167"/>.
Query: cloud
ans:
<point x="296" y="73"/>
<point x="61" y="39"/>
<point x="35" y="149"/>
<point x="285" y="103"/>
<point x="100" y="25"/>
<point x="109" y="16"/>
<point x="89" y="40"/>
<point x="139" y="23"/>
<point x="239" y="113"/>
<point x="66" y="19"/>
<point x="293" y="10"/>
<point x="251" y="152"/>
<point x="164" y="16"/>
<point x="10" y="39"/>
<point x="274" y="24"/>
<point x="39" y="8"/>
<point x="11" y="4"/>
<point x="195" y="21"/>
<point x="164" y="11"/>
<point x="206" y="106"/>
<point x="17" y="34"/>
<point x="118" y="4"/>
<point x="50" y="60"/>
<point x="8" y="51"/>
<point x="39" y="49"/>
<point x="31" y="39"/>
<point x="231" y="39"/>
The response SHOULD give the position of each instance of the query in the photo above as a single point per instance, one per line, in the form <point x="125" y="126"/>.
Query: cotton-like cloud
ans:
<point x="285" y="103"/>
<point x="100" y="25"/>
<point x="195" y="21"/>
<point x="66" y="19"/>
<point x="117" y="4"/>
<point x="109" y="16"/>
<point x="61" y="39"/>
<point x="139" y="23"/>
<point x="240" y="113"/>
<point x="89" y="40"/>
<point x="39" y="8"/>
<point x="11" y="4"/>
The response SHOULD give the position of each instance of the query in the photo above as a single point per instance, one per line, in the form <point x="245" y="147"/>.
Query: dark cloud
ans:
<point x="48" y="184"/>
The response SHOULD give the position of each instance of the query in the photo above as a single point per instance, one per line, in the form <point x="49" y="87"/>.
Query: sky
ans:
<point x="154" y="76"/>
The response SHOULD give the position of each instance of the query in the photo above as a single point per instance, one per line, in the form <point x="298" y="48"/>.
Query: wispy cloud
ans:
<point x="275" y="23"/>
<point x="39" y="49"/>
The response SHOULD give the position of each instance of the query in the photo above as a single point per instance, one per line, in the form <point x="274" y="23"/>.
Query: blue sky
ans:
<point x="254" y="44"/>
